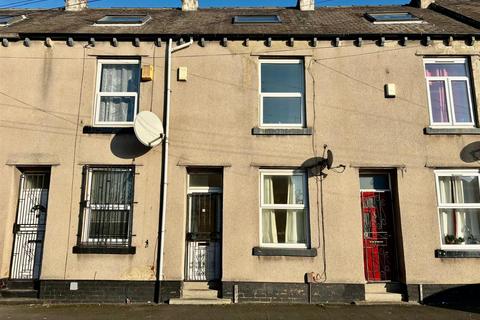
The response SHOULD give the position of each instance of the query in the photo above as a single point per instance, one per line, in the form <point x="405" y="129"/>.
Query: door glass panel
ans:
<point x="374" y="182"/>
<point x="206" y="180"/>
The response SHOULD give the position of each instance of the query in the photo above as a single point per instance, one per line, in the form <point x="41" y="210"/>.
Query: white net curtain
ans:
<point x="118" y="92"/>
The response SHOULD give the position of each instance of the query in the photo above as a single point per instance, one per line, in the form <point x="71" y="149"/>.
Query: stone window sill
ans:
<point x="283" y="252"/>
<point x="104" y="250"/>
<point x="282" y="131"/>
<point x="107" y="130"/>
<point x="451" y="131"/>
<point x="457" y="254"/>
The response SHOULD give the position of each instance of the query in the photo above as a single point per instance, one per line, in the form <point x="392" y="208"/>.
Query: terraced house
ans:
<point x="323" y="154"/>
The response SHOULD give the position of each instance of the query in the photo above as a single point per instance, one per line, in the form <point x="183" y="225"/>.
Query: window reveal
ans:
<point x="449" y="92"/>
<point x="459" y="208"/>
<point x="108" y="206"/>
<point x="282" y="90"/>
<point x="283" y="209"/>
<point x="117" y="92"/>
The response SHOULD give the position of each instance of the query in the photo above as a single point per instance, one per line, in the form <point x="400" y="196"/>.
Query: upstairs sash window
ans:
<point x="449" y="92"/>
<point x="117" y="92"/>
<point x="282" y="93"/>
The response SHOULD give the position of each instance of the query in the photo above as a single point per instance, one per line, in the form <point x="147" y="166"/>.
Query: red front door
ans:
<point x="378" y="235"/>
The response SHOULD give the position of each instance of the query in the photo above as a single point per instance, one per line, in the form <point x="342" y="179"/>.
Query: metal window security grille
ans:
<point x="107" y="207"/>
<point x="203" y="237"/>
<point x="29" y="228"/>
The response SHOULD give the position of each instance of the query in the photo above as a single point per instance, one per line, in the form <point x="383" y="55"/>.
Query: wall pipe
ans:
<point x="164" y="189"/>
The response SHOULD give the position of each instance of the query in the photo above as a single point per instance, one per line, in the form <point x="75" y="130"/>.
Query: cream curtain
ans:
<point x="295" y="226"/>
<point x="459" y="218"/>
<point x="269" y="225"/>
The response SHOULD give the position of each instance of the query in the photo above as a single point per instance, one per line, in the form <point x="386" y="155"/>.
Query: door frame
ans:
<point x="398" y="273"/>
<point x="204" y="190"/>
<point x="25" y="170"/>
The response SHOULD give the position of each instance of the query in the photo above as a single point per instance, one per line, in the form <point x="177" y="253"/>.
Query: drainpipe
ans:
<point x="164" y="189"/>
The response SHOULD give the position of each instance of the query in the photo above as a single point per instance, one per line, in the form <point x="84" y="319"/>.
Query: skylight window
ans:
<point x="123" y="20"/>
<point x="256" y="19"/>
<point x="392" y="17"/>
<point x="8" y="20"/>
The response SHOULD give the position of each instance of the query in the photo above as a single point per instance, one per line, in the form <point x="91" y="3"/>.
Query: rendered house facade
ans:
<point x="252" y="100"/>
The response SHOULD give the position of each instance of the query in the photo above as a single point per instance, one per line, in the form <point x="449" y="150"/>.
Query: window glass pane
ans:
<point x="256" y="19"/>
<point x="282" y="110"/>
<point x="438" y="101"/>
<point x="122" y="20"/>
<point x="460" y="226"/>
<point x="399" y="16"/>
<point x="283" y="189"/>
<point x="108" y="224"/>
<point x="5" y="19"/>
<point x="461" y="101"/>
<point x="211" y="180"/>
<point x="111" y="186"/>
<point x="377" y="182"/>
<point x="283" y="226"/>
<point x="282" y="77"/>
<point x="459" y="189"/>
<point x="116" y="109"/>
<point x="120" y="78"/>
<point x="445" y="70"/>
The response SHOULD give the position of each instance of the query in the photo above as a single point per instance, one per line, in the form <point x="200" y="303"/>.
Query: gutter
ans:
<point x="164" y="188"/>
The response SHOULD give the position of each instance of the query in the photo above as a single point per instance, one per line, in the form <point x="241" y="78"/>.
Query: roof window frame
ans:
<point x="12" y="19"/>
<point x="99" y="23"/>
<point x="371" y="16"/>
<point x="236" y="19"/>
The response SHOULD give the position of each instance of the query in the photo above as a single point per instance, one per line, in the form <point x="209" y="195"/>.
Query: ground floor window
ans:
<point x="458" y="197"/>
<point x="108" y="206"/>
<point x="283" y="209"/>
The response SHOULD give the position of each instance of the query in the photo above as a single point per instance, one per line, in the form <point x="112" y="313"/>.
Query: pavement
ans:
<point x="234" y="312"/>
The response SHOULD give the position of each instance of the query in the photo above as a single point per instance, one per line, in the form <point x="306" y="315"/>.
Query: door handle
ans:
<point x="203" y="244"/>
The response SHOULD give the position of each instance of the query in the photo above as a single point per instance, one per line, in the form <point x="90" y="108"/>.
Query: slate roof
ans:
<point x="467" y="11"/>
<point x="324" y="21"/>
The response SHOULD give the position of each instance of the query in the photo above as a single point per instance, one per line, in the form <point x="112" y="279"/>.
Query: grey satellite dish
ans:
<point x="148" y="129"/>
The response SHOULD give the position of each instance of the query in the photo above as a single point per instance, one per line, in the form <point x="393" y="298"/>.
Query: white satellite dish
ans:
<point x="148" y="129"/>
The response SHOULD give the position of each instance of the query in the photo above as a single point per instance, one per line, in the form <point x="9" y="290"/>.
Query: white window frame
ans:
<point x="87" y="211"/>
<point x="449" y="95"/>
<point x="453" y="173"/>
<point x="99" y="94"/>
<point x="281" y="94"/>
<point x="304" y="206"/>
